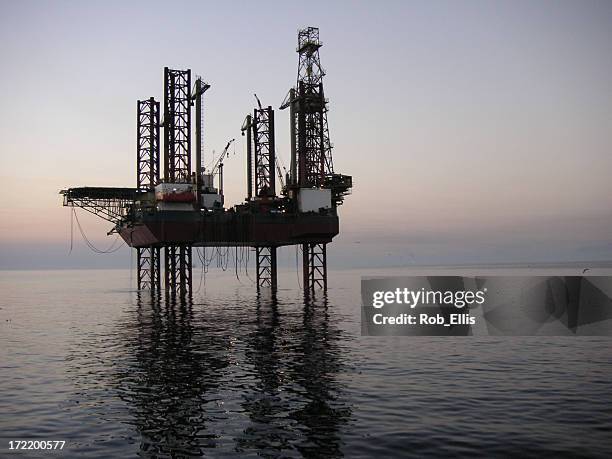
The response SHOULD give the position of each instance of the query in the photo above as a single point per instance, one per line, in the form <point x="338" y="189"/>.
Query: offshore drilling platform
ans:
<point x="172" y="212"/>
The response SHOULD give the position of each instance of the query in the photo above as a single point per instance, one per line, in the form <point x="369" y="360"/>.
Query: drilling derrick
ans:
<point x="312" y="177"/>
<point x="173" y="208"/>
<point x="314" y="148"/>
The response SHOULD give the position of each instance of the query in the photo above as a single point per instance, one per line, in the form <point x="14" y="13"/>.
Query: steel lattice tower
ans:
<point x="177" y="169"/>
<point x="266" y="267"/>
<point x="147" y="176"/>
<point x="265" y="187"/>
<point x="177" y="123"/>
<point x="314" y="260"/>
<point x="263" y="136"/>
<point x="148" y="144"/>
<point x="178" y="270"/>
<point x="313" y="147"/>
<point x="310" y="111"/>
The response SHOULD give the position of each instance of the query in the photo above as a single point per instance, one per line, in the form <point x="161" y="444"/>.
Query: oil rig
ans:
<point x="176" y="208"/>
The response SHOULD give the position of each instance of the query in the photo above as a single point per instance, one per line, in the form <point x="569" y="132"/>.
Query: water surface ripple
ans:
<point x="117" y="374"/>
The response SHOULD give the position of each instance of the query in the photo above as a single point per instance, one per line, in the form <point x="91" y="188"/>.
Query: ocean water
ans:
<point x="86" y="359"/>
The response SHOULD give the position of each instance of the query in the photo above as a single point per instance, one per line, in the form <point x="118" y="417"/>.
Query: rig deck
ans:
<point x="228" y="229"/>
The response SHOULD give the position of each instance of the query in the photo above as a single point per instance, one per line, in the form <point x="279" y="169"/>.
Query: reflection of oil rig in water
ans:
<point x="184" y="210"/>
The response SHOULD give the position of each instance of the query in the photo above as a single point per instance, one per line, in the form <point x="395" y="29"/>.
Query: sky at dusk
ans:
<point x="475" y="131"/>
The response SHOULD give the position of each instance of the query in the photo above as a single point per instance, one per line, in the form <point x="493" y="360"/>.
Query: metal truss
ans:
<point x="149" y="269"/>
<point x="310" y="112"/>
<point x="177" y="169"/>
<point x="178" y="271"/>
<point x="263" y="136"/>
<point x="314" y="258"/>
<point x="310" y="139"/>
<point x="309" y="66"/>
<point x="266" y="267"/>
<point x="147" y="155"/>
<point x="111" y="204"/>
<point x="147" y="176"/>
<point x="177" y="123"/>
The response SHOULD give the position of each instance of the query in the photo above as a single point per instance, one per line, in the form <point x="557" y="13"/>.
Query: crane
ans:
<point x="218" y="166"/>
<point x="258" y="101"/>
<point x="280" y="173"/>
<point x="219" y="163"/>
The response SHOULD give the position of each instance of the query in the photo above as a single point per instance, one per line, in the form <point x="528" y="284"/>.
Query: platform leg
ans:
<point x="314" y="262"/>
<point x="178" y="271"/>
<point x="148" y="269"/>
<point x="266" y="267"/>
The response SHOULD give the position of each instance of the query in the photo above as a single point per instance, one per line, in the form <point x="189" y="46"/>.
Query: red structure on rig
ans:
<point x="184" y="209"/>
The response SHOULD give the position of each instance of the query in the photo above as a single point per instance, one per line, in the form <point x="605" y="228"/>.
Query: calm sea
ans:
<point x="84" y="359"/>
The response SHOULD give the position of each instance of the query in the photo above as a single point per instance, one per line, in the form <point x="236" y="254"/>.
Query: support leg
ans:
<point x="314" y="259"/>
<point x="266" y="267"/>
<point x="156" y="287"/>
<point x="170" y="270"/>
<point x="148" y="269"/>
<point x="141" y="267"/>
<point x="186" y="271"/>
<point x="178" y="275"/>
